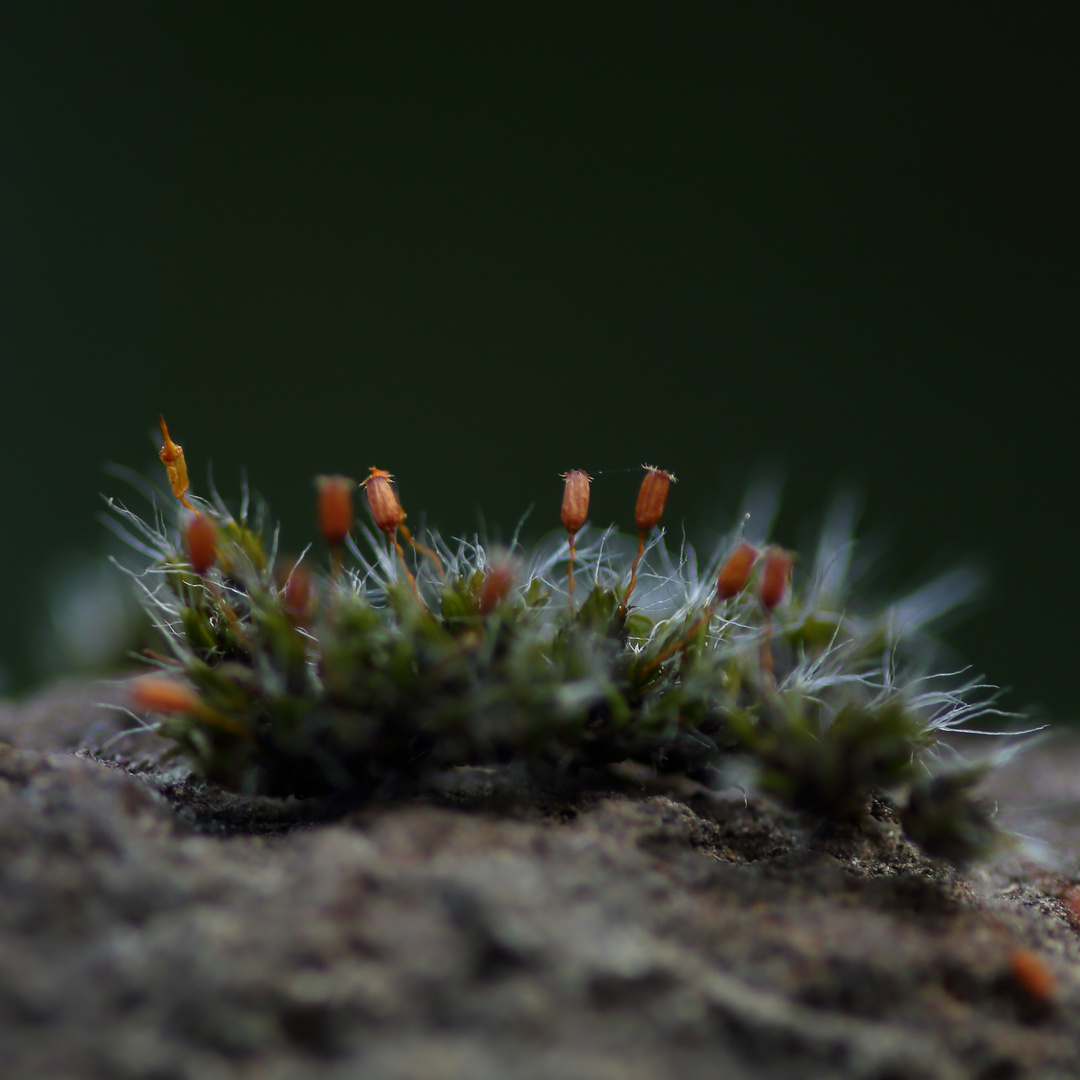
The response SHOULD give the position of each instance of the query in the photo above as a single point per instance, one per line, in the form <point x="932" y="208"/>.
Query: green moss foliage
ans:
<point x="333" y="680"/>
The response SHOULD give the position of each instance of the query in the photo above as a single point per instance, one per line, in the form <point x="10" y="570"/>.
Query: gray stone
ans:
<point x="152" y="927"/>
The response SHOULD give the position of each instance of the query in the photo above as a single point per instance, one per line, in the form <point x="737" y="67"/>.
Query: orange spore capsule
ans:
<point x="389" y="517"/>
<point x="172" y="457"/>
<point x="200" y="537"/>
<point x="652" y="497"/>
<point x="775" y="577"/>
<point x="498" y="581"/>
<point x="575" y="509"/>
<point x="735" y="573"/>
<point x="164" y="695"/>
<point x="335" y="501"/>
<point x="383" y="500"/>
<point x="297" y="593"/>
<point x="1032" y="974"/>
<point x="575" y="501"/>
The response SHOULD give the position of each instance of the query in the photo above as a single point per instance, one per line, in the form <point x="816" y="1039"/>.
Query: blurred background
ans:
<point x="480" y="245"/>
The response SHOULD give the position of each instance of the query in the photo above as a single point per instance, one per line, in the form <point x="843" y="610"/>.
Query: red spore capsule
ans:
<point x="775" y="577"/>
<point x="652" y="497"/>
<point x="383" y="500"/>
<point x="498" y="581"/>
<point x="298" y="592"/>
<point x="335" y="498"/>
<point x="735" y="572"/>
<point x="575" y="500"/>
<point x="200" y="537"/>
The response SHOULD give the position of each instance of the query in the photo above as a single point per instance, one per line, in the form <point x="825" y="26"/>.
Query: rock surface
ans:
<point x="151" y="927"/>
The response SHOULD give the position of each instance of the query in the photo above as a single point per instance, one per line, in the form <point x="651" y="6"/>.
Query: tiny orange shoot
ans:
<point x="172" y="457"/>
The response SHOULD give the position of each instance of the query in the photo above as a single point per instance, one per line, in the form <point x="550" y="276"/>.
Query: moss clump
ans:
<point x="287" y="679"/>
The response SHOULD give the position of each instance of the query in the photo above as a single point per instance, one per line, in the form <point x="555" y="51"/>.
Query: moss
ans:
<point x="393" y="665"/>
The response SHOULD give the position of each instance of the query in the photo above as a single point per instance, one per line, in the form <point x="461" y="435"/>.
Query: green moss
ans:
<point x="373" y="679"/>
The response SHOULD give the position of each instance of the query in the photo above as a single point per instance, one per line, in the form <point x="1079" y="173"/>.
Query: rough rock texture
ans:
<point x="151" y="927"/>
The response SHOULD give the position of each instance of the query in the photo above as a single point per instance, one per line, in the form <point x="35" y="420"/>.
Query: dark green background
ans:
<point x="479" y="245"/>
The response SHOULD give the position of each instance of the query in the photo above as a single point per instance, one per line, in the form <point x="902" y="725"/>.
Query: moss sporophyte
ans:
<point x="284" y="678"/>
